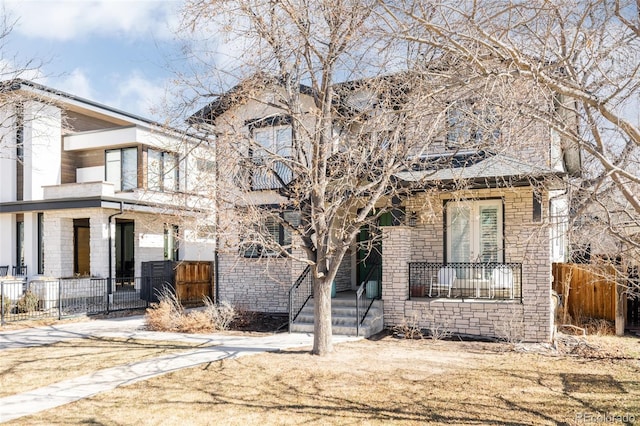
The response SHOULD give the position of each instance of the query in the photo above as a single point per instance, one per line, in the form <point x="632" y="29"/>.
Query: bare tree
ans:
<point x="12" y="101"/>
<point x="585" y="52"/>
<point x="363" y="107"/>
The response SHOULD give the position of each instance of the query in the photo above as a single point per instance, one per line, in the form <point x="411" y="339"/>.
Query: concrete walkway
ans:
<point x="45" y="398"/>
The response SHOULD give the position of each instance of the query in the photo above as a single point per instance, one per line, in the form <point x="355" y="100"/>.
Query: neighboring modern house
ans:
<point x="493" y="218"/>
<point x="91" y="191"/>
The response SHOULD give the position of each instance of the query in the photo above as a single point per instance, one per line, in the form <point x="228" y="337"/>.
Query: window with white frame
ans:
<point x="475" y="231"/>
<point x="121" y="168"/>
<point x="470" y="125"/>
<point x="558" y="216"/>
<point x="275" y="235"/>
<point x="162" y="171"/>
<point x="273" y="139"/>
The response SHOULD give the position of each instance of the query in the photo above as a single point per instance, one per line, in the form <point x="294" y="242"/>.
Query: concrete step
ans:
<point x="343" y="318"/>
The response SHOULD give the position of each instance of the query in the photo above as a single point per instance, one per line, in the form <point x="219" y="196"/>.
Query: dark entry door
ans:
<point x="125" y="260"/>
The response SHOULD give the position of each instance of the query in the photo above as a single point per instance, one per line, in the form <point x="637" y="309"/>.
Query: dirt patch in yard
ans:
<point x="378" y="381"/>
<point x="25" y="369"/>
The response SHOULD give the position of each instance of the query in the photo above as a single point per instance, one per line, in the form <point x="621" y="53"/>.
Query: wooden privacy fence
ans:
<point x="191" y="280"/>
<point x="591" y="289"/>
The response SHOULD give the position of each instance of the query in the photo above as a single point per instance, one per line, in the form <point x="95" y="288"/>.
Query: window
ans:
<point x="470" y="125"/>
<point x="41" y="243"/>
<point x="122" y="168"/>
<point x="162" y="171"/>
<point x="171" y="248"/>
<point x="274" y="234"/>
<point x="19" y="124"/>
<point x="20" y="240"/>
<point x="558" y="216"/>
<point x="20" y="132"/>
<point x="274" y="138"/>
<point x="474" y="231"/>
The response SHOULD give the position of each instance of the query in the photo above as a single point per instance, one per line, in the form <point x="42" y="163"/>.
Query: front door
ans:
<point x="81" y="247"/>
<point x="125" y="260"/>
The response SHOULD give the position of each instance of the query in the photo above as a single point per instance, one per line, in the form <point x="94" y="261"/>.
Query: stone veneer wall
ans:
<point x="255" y="284"/>
<point x="343" y="276"/>
<point x="525" y="242"/>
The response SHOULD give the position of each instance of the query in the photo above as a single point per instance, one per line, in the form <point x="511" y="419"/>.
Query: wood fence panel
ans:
<point x="194" y="281"/>
<point x="592" y="289"/>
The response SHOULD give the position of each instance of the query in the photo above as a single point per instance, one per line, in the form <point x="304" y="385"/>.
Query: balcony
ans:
<point x="78" y="190"/>
<point x="463" y="281"/>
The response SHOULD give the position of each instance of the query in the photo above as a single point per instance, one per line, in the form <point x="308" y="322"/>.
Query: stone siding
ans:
<point x="255" y="284"/>
<point x="526" y="242"/>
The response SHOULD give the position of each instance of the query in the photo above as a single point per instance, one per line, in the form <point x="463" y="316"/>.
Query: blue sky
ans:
<point x="111" y="51"/>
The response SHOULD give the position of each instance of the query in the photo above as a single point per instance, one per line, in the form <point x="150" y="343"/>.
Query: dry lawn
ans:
<point x="26" y="369"/>
<point x="379" y="382"/>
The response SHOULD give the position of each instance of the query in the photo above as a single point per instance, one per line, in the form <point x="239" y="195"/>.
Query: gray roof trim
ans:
<point x="83" y="203"/>
<point x="492" y="168"/>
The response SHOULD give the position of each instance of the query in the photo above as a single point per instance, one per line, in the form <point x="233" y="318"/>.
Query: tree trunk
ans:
<point x="322" y="333"/>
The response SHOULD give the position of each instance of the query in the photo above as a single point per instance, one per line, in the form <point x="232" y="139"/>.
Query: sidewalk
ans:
<point x="228" y="346"/>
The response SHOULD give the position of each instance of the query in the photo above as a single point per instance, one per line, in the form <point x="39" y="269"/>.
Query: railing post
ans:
<point x="59" y="299"/>
<point x="2" y="303"/>
<point x="357" y="315"/>
<point x="290" y="307"/>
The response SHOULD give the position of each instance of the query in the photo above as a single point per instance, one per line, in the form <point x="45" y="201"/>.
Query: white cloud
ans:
<point x="67" y="20"/>
<point x="138" y="95"/>
<point x="76" y="83"/>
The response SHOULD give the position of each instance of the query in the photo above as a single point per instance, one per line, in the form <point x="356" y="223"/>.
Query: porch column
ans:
<point x="99" y="244"/>
<point x="58" y="245"/>
<point x="31" y="243"/>
<point x="396" y="255"/>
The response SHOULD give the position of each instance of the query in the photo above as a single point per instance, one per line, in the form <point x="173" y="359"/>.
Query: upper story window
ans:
<point x="121" y="168"/>
<point x="162" y="171"/>
<point x="273" y="141"/>
<point x="20" y="132"/>
<point x="470" y="125"/>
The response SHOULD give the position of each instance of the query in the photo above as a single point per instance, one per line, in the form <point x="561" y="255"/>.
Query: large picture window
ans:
<point x="162" y="171"/>
<point x="273" y="141"/>
<point x="474" y="231"/>
<point x="122" y="168"/>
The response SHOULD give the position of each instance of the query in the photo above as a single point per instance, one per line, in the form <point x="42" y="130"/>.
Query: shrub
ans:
<point x="166" y="315"/>
<point x="169" y="315"/>
<point x="28" y="302"/>
<point x="6" y="305"/>
<point x="220" y="315"/>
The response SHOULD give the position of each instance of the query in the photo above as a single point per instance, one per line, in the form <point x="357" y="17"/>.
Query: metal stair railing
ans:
<point x="299" y="294"/>
<point x="361" y="291"/>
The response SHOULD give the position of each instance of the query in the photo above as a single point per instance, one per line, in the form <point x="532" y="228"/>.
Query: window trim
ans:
<point x="162" y="175"/>
<point x="469" y="133"/>
<point x="261" y="180"/>
<point x="118" y="187"/>
<point x="475" y="201"/>
<point x="257" y="251"/>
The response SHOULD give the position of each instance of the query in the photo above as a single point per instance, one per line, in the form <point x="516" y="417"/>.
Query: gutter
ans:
<point x="110" y="283"/>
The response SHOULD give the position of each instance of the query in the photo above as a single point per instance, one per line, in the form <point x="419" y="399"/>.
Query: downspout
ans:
<point x="110" y="283"/>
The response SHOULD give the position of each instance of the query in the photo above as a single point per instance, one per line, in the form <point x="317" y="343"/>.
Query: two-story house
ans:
<point x="469" y="245"/>
<point x="92" y="191"/>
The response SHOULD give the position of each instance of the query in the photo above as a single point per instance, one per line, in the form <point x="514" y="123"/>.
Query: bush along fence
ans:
<point x="68" y="297"/>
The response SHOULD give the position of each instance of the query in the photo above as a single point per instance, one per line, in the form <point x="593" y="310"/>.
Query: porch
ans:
<point x="461" y="280"/>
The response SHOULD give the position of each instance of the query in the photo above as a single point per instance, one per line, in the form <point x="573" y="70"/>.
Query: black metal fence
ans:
<point x="502" y="281"/>
<point x="62" y="298"/>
